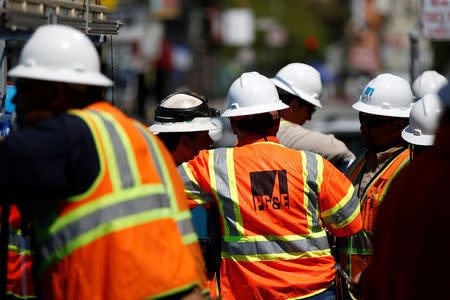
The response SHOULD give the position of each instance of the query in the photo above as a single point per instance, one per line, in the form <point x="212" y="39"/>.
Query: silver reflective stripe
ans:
<point x="192" y="188"/>
<point x="153" y="154"/>
<point x="345" y="212"/>
<point x="275" y="247"/>
<point x="185" y="226"/>
<point x="361" y="241"/>
<point x="104" y="215"/>
<point x="223" y="189"/>
<point x="19" y="241"/>
<point x="311" y="181"/>
<point x="126" y="176"/>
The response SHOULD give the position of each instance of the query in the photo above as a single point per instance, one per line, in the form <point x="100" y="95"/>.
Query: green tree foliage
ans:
<point x="323" y="19"/>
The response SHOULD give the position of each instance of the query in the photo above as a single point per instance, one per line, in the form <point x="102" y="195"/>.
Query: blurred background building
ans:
<point x="204" y="45"/>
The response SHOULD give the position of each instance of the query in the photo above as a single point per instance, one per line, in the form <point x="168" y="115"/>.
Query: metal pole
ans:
<point x="414" y="55"/>
<point x="87" y="16"/>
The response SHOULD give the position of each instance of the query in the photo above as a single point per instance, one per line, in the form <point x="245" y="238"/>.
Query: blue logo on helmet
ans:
<point x="368" y="94"/>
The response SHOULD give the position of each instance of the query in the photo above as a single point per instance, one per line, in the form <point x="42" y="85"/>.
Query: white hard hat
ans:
<point x="386" y="95"/>
<point x="252" y="94"/>
<point x="423" y="120"/>
<point x="183" y="111"/>
<point x="301" y="80"/>
<point x="429" y="82"/>
<point x="60" y="53"/>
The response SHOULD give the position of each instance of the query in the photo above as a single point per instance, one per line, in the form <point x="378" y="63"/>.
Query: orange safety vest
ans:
<point x="19" y="277"/>
<point x="273" y="215"/>
<point x="120" y="239"/>
<point x="356" y="251"/>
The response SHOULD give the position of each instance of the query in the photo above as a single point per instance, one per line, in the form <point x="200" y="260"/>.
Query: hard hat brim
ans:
<point x="198" y="124"/>
<point x="67" y="76"/>
<point x="388" y="112"/>
<point x="422" y="140"/>
<point x="314" y="101"/>
<point x="253" y="110"/>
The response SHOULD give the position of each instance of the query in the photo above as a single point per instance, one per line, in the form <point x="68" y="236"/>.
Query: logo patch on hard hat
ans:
<point x="368" y="94"/>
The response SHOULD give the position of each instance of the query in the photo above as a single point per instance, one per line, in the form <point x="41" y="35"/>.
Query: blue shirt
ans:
<point x="54" y="159"/>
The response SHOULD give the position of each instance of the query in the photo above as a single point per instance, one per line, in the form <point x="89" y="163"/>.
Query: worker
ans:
<point x="182" y="122"/>
<point x="109" y="212"/>
<point x="429" y="82"/>
<point x="423" y="121"/>
<point x="384" y="108"/>
<point x="274" y="202"/>
<point x="299" y="86"/>
<point x="404" y="266"/>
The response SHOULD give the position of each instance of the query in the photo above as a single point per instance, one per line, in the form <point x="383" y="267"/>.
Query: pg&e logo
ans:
<point x="368" y="94"/>
<point x="269" y="190"/>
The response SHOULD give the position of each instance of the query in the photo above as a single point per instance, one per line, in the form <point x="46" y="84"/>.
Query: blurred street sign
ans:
<point x="435" y="19"/>
<point x="238" y="27"/>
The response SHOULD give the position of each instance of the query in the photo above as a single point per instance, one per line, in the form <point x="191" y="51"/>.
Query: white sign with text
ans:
<point x="435" y="19"/>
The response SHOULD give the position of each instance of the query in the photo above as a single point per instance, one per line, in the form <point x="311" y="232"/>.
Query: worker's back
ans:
<point x="271" y="199"/>
<point x="119" y="238"/>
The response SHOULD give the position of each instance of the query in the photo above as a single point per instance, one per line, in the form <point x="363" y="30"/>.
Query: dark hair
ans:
<point x="172" y="139"/>
<point x="287" y="97"/>
<point x="259" y="124"/>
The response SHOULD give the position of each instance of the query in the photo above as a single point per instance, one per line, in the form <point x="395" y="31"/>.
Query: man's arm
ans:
<point x="195" y="177"/>
<point x="339" y="205"/>
<point x="327" y="145"/>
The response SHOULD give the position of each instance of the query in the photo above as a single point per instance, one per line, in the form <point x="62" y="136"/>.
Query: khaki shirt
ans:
<point x="375" y="162"/>
<point x="297" y="137"/>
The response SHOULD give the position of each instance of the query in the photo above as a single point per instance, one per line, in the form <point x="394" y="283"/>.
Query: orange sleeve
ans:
<point x="196" y="178"/>
<point x="338" y="202"/>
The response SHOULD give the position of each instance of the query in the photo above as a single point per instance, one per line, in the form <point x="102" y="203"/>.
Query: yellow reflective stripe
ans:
<point x="101" y="159"/>
<point x="352" y="216"/>
<point x="340" y="204"/>
<point x="19" y="296"/>
<point x="306" y="191"/>
<point x="127" y="145"/>
<point x="104" y="201"/>
<point x="319" y="178"/>
<point x="18" y="250"/>
<point x="173" y="291"/>
<point x="109" y="150"/>
<point x="285" y="122"/>
<point x="233" y="192"/>
<point x="191" y="177"/>
<point x="212" y="180"/>
<point x="268" y="142"/>
<point x="310" y="295"/>
<point x="190" y="237"/>
<point x="276" y="256"/>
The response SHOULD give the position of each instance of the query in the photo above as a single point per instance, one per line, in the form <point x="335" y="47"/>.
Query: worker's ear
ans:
<point x="61" y="100"/>
<point x="233" y="126"/>
<point x="401" y="123"/>
<point x="185" y="142"/>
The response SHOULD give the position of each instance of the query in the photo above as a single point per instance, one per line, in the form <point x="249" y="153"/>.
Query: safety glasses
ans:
<point x="372" y="121"/>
